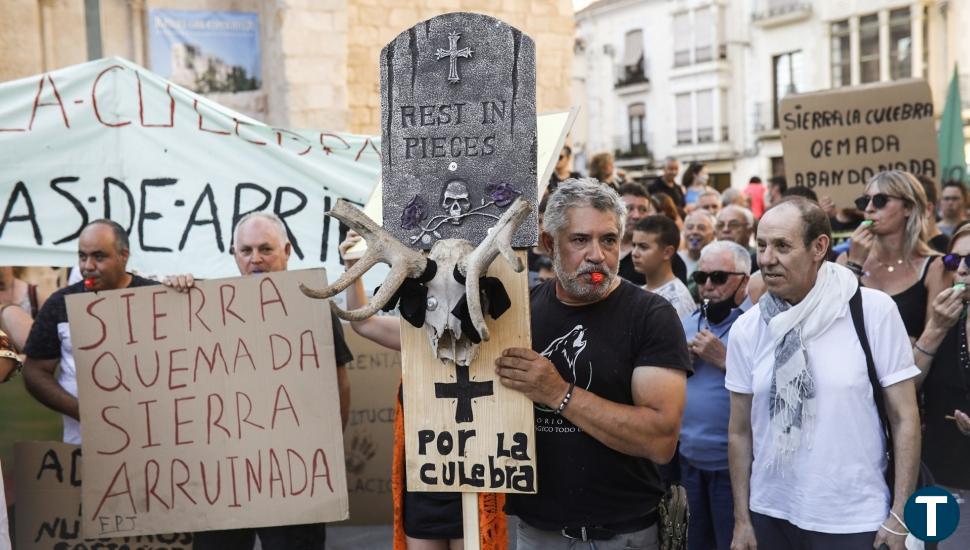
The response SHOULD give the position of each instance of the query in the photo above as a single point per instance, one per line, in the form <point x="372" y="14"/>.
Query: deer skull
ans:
<point x="451" y="256"/>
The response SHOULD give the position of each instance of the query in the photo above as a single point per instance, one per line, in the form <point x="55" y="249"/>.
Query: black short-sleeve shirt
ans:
<point x="582" y="482"/>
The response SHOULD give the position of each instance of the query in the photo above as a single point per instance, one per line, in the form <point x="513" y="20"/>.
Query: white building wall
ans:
<point x="747" y="74"/>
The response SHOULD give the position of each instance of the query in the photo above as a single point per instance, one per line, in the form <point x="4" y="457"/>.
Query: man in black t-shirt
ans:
<point x="607" y="374"/>
<point x="102" y="257"/>
<point x="667" y="184"/>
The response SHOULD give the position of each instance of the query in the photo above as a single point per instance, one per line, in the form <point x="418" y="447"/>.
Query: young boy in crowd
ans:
<point x="655" y="242"/>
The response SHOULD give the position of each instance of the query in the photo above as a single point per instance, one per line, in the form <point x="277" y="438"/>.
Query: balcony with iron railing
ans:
<point x="770" y="13"/>
<point x="625" y="149"/>
<point x="764" y="123"/>
<point x="632" y="79"/>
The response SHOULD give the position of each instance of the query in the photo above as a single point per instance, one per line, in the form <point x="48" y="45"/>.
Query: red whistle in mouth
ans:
<point x="88" y="284"/>
<point x="596" y="277"/>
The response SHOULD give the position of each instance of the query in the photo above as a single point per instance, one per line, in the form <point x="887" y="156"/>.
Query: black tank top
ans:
<point x="912" y="303"/>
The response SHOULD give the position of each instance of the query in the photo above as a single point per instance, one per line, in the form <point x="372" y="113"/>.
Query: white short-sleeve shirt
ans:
<point x="835" y="483"/>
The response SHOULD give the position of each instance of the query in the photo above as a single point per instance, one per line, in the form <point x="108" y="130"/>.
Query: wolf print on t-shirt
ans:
<point x="567" y="348"/>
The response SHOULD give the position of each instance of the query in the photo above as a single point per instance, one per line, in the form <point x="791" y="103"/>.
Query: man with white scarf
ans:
<point x="806" y="448"/>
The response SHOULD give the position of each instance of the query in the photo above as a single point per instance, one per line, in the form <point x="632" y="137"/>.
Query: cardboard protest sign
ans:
<point x="466" y="431"/>
<point x="375" y="375"/>
<point x="109" y="139"/>
<point x="835" y="140"/>
<point x="458" y="129"/>
<point x="214" y="409"/>
<point x="48" y="480"/>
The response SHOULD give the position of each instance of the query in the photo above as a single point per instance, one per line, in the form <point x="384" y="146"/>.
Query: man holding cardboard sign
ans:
<point x="103" y="257"/>
<point x="261" y="246"/>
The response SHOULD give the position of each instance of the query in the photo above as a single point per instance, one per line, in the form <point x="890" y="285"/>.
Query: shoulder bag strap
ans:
<point x="855" y="308"/>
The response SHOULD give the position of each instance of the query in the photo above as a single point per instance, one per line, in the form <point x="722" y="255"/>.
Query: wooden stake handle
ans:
<point x="469" y="521"/>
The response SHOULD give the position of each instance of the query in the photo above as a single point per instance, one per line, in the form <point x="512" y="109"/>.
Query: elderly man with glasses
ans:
<point x="721" y="278"/>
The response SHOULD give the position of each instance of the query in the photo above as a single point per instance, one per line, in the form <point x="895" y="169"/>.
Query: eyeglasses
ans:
<point x="952" y="261"/>
<point x="717" y="277"/>
<point x="732" y="225"/>
<point x="879" y="200"/>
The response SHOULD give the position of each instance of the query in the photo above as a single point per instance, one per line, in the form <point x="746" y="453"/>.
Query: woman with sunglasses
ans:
<point x="889" y="252"/>
<point x="943" y="358"/>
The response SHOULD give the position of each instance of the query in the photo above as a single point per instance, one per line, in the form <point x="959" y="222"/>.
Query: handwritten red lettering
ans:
<point x="254" y="476"/>
<point x="273" y="338"/>
<point x="239" y="417"/>
<point x="205" y="486"/>
<point x="148" y="422"/>
<point x="195" y="313"/>
<point x="104" y="416"/>
<point x="281" y="391"/>
<point x="104" y="327"/>
<point x="172" y="370"/>
<point x="227" y="308"/>
<point x="151" y="483"/>
<point x="156" y="315"/>
<point x="209" y="422"/>
<point x="181" y="483"/>
<point x="178" y="424"/>
<point x="307" y="340"/>
<point x="235" y="496"/>
<point x="158" y="370"/>
<point x="239" y="123"/>
<point x="211" y="363"/>
<point x="123" y="469"/>
<point x="324" y="470"/>
<point x="195" y="106"/>
<point x="127" y="298"/>
<point x="118" y="378"/>
<point x="141" y="106"/>
<point x="273" y="461"/>
<point x="263" y="302"/>
<point x="290" y="453"/>
<point x="38" y="104"/>
<point x="94" y="99"/>
<point x="242" y="351"/>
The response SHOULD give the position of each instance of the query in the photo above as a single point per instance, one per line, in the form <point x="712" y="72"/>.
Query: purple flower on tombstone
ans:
<point x="502" y="194"/>
<point x="414" y="213"/>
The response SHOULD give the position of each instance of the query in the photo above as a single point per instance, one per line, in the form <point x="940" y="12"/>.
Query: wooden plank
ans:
<point x="505" y="415"/>
<point x="469" y="520"/>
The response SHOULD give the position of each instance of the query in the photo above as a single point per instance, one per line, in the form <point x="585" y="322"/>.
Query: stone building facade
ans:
<point x="319" y="57"/>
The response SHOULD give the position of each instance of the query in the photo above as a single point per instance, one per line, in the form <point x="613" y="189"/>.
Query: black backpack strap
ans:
<point x="855" y="309"/>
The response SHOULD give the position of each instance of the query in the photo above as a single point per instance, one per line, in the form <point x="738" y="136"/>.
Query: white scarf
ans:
<point x="792" y="397"/>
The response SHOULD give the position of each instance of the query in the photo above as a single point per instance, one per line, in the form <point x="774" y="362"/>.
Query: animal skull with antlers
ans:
<point x="455" y="260"/>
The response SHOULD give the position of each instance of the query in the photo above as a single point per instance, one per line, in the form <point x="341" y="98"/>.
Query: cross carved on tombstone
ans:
<point x="463" y="390"/>
<point x="453" y="53"/>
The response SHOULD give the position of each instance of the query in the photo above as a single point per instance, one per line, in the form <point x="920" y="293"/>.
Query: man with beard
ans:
<point x="721" y="277"/>
<point x="607" y="374"/>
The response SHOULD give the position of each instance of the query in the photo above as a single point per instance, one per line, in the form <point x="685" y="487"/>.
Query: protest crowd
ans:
<point x="737" y="330"/>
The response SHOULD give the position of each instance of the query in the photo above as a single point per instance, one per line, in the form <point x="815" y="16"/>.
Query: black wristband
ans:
<point x="565" y="400"/>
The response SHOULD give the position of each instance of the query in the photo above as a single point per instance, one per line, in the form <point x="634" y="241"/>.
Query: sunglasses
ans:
<point x="717" y="277"/>
<point x="879" y="200"/>
<point x="952" y="261"/>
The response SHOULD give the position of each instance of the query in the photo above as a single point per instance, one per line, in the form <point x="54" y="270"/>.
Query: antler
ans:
<point x="499" y="240"/>
<point x="381" y="247"/>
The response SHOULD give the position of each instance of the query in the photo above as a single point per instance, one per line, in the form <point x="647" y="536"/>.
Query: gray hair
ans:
<point x="272" y="218"/>
<point x="730" y="195"/>
<point x="748" y="216"/>
<point x="711" y="219"/>
<point x="709" y="191"/>
<point x="742" y="258"/>
<point x="578" y="192"/>
<point x="668" y="159"/>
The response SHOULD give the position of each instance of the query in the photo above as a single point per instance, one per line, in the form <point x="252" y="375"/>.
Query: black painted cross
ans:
<point x="463" y="390"/>
<point x="453" y="53"/>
